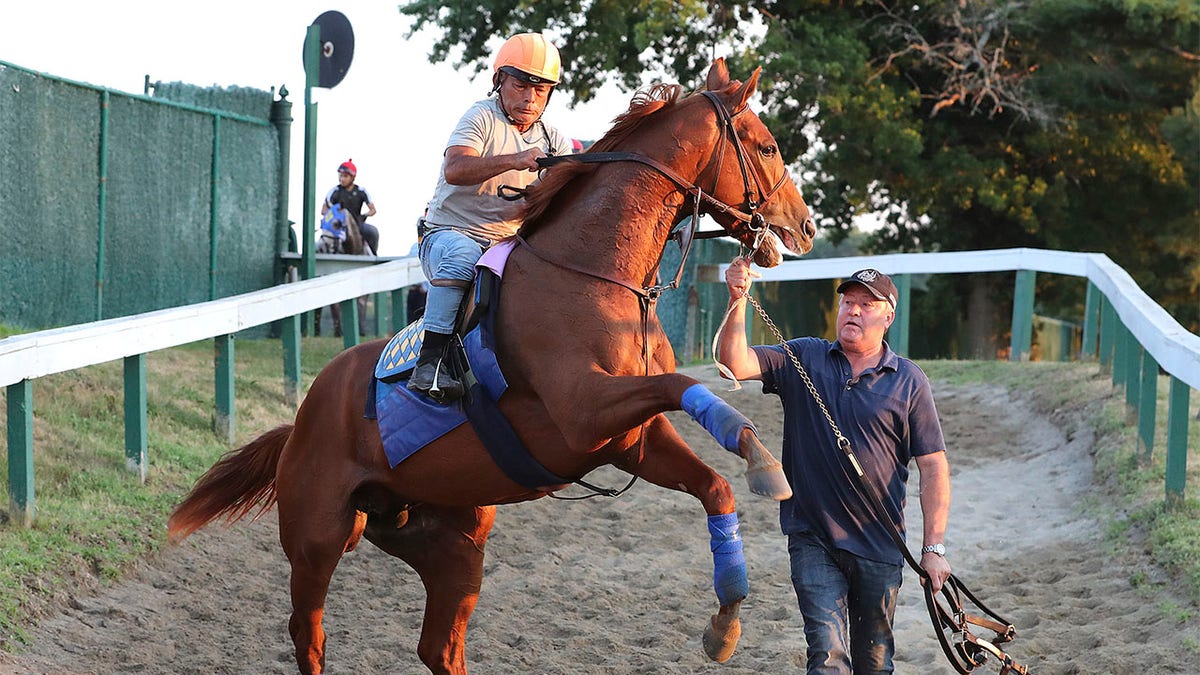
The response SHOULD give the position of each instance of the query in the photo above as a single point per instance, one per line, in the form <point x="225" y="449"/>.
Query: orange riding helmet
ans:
<point x="530" y="57"/>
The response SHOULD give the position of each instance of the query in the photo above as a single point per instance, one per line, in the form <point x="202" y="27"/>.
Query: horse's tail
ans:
<point x="239" y="481"/>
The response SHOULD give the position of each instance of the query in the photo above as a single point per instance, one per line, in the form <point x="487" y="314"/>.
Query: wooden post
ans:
<point x="349" y="322"/>
<point x="1177" y="437"/>
<point x="399" y="310"/>
<point x="1147" y="405"/>
<point x="224" y="423"/>
<point x="1119" y="362"/>
<point x="1091" y="323"/>
<point x="290" y="329"/>
<point x="1108" y="334"/>
<point x="136" y="435"/>
<point x="1022" y="316"/>
<point x="898" y="334"/>
<point x="1133" y="363"/>
<point x="20" y="453"/>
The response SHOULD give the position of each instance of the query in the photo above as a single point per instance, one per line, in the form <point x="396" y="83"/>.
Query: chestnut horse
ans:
<point x="589" y="372"/>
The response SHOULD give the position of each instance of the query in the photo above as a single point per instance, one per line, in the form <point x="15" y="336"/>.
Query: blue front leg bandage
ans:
<point x="729" y="565"/>
<point x="717" y="417"/>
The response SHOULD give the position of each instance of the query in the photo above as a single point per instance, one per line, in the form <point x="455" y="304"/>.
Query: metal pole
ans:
<point x="102" y="204"/>
<point x="308" y="263"/>
<point x="214" y="193"/>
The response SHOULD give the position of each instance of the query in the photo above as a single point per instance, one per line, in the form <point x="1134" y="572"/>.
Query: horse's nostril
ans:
<point x="810" y="228"/>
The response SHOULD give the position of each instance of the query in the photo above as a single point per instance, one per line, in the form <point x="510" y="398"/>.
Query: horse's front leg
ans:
<point x="620" y="403"/>
<point x="670" y="463"/>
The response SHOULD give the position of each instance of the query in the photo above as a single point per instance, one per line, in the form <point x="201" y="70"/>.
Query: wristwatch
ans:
<point x="939" y="549"/>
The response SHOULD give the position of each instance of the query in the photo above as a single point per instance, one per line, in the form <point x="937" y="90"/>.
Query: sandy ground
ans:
<point x="624" y="586"/>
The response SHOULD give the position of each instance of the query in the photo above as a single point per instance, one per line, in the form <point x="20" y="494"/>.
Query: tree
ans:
<point x="966" y="124"/>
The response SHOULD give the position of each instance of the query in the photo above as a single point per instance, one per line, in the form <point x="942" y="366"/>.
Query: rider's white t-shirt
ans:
<point x="478" y="209"/>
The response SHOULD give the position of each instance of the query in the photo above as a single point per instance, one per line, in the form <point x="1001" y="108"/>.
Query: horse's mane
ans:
<point x="644" y="103"/>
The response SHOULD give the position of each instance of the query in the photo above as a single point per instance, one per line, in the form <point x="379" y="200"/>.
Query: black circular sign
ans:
<point x="336" y="49"/>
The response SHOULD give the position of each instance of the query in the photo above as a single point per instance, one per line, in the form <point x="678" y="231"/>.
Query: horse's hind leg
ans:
<point x="445" y="546"/>
<point x="315" y="530"/>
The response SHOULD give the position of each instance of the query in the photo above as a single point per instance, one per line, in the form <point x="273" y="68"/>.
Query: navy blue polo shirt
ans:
<point x="887" y="414"/>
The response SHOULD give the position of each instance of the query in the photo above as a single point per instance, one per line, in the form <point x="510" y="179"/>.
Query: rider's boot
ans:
<point x="432" y="376"/>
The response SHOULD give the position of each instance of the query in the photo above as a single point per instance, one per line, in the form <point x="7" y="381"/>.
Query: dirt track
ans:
<point x="624" y="586"/>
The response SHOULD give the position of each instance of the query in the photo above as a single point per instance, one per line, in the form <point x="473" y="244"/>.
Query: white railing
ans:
<point x="26" y="357"/>
<point x="33" y="355"/>
<point x="1175" y="349"/>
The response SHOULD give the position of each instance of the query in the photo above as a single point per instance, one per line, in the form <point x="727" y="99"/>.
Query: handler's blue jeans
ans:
<point x="848" y="604"/>
<point x="446" y="254"/>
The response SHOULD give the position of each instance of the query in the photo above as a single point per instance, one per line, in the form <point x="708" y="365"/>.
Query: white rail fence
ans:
<point x="1132" y="334"/>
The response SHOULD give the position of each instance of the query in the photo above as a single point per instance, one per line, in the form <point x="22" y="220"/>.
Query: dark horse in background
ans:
<point x="589" y="369"/>
<point x="340" y="234"/>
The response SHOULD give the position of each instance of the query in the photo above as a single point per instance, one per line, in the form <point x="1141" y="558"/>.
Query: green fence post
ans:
<point x="1177" y="437"/>
<point x="1091" y="323"/>
<point x="20" y="452"/>
<point x="290" y="328"/>
<point x="898" y="334"/>
<point x="1147" y="405"/>
<point x="214" y="195"/>
<point x="399" y="310"/>
<point x="136" y="435"/>
<point x="1133" y="354"/>
<point x="1108" y="333"/>
<point x="1119" y="362"/>
<point x="102" y="203"/>
<point x="383" y="314"/>
<point x="349" y="322"/>
<point x="223" y="419"/>
<point x="1022" y="316"/>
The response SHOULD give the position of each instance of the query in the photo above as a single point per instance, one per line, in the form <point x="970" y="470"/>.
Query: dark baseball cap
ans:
<point x="873" y="280"/>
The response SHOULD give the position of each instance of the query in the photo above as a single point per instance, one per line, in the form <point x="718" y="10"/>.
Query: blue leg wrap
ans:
<point x="729" y="565"/>
<point x="717" y="417"/>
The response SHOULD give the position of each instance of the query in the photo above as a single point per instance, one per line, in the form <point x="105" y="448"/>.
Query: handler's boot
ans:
<point x="432" y="376"/>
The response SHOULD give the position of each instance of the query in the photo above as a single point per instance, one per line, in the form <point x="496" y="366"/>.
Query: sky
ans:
<point x="392" y="113"/>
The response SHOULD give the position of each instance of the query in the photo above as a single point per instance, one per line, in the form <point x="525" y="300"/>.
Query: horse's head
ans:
<point x="751" y="176"/>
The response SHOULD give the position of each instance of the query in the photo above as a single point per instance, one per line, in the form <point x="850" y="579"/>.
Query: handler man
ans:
<point x="846" y="568"/>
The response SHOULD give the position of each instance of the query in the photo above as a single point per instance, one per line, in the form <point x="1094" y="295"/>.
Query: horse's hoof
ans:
<point x="721" y="637"/>
<point x="764" y="473"/>
<point x="769" y="482"/>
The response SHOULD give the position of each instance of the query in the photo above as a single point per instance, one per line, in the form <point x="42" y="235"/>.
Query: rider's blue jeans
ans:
<point x="446" y="254"/>
<point x="848" y="604"/>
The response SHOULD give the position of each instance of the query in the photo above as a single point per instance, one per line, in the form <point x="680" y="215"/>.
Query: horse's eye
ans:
<point x="769" y="151"/>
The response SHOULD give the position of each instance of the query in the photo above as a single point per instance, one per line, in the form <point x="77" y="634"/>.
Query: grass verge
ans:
<point x="94" y="520"/>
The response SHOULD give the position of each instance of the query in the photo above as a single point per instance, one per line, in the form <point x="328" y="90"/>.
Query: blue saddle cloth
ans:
<point x="409" y="421"/>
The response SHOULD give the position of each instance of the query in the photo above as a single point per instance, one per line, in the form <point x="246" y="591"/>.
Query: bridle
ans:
<point x="746" y="214"/>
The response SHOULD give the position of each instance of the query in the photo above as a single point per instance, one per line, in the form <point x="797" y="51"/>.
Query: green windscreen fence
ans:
<point x="115" y="204"/>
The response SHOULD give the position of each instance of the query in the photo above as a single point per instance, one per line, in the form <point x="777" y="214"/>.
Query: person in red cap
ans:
<point x="353" y="198"/>
<point x="497" y="142"/>
<point x="845" y="566"/>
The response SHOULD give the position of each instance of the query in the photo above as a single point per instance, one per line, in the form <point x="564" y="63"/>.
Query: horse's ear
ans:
<point x="718" y="76"/>
<point x="747" y="90"/>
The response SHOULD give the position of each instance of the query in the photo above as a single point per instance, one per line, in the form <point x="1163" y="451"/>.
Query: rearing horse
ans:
<point x="589" y="369"/>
